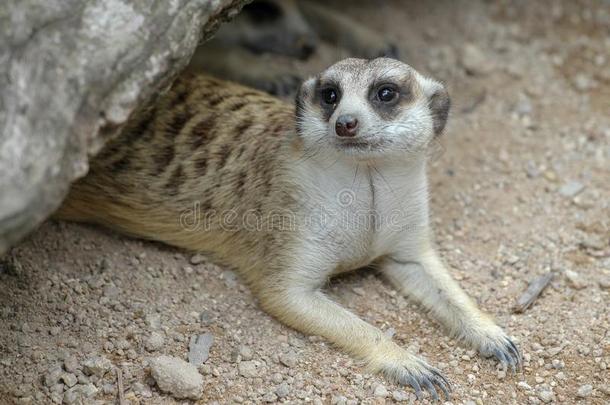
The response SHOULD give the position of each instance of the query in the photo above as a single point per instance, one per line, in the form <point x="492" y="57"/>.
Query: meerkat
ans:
<point x="288" y="28"/>
<point x="291" y="197"/>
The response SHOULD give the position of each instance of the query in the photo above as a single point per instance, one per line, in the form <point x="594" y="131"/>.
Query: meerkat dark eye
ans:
<point x="387" y="94"/>
<point x="330" y="96"/>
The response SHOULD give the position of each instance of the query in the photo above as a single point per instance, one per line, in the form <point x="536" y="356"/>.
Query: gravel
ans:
<point x="177" y="377"/>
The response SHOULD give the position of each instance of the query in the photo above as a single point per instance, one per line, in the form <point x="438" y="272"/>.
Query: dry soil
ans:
<point x="520" y="187"/>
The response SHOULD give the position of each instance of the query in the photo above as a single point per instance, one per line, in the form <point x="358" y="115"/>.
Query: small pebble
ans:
<point x="545" y="396"/>
<point x="380" y="391"/>
<point x="71" y="364"/>
<point x="52" y="376"/>
<point x="248" y="369"/>
<point x="338" y="400"/>
<point x="153" y="321"/>
<point x="141" y="390"/>
<point x="72" y="396"/>
<point x="197" y="259"/>
<point x="289" y="359"/>
<point x="584" y="391"/>
<point x="177" y="377"/>
<point x="98" y="366"/>
<point x="69" y="379"/>
<point x="574" y="280"/>
<point x="245" y="352"/>
<point x="571" y="188"/>
<point x="400" y="396"/>
<point x="88" y="390"/>
<point x="282" y="390"/>
<point x="583" y="82"/>
<point x="604" y="283"/>
<point x="154" y="342"/>
<point x="359" y="291"/>
<point x="111" y="291"/>
<point x="199" y="348"/>
<point x="230" y="278"/>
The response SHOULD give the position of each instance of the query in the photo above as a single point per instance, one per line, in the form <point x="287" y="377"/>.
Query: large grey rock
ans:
<point x="71" y="72"/>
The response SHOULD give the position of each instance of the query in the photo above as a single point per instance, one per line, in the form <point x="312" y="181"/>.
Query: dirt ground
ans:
<point x="520" y="188"/>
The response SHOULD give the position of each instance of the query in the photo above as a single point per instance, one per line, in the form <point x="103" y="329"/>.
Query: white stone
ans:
<point x="177" y="377"/>
<point x="584" y="391"/>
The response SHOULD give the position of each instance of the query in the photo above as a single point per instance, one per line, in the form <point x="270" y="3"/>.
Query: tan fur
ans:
<point x="213" y="147"/>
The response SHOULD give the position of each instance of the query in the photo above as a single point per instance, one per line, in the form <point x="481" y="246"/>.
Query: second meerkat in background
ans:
<point x="287" y="28"/>
<point x="290" y="199"/>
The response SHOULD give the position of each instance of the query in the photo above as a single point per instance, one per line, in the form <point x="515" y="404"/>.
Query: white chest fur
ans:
<point x="353" y="212"/>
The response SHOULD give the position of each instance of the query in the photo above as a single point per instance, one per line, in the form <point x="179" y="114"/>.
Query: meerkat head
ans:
<point x="371" y="109"/>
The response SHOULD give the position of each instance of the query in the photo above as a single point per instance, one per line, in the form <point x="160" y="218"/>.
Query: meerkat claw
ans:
<point x="507" y="353"/>
<point x="430" y="379"/>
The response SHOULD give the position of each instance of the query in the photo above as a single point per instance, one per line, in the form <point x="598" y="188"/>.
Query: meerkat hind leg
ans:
<point x="307" y="309"/>
<point x="429" y="283"/>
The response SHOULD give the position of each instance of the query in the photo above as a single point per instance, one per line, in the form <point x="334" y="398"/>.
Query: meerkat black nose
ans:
<point x="346" y="126"/>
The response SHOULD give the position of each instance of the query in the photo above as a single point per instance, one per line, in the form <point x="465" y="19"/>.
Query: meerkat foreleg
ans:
<point x="427" y="281"/>
<point x="299" y="303"/>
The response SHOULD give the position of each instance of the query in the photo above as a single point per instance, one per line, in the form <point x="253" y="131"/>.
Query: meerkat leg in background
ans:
<point x="295" y="299"/>
<point x="240" y="65"/>
<point x="427" y="280"/>
<point x="344" y="32"/>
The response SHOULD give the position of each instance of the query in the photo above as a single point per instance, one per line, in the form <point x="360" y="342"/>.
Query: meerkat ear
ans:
<point x="439" y="104"/>
<point x="304" y="94"/>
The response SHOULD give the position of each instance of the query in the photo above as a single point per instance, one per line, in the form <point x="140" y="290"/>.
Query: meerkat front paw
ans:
<point x="494" y="342"/>
<point x="409" y="370"/>
<point x="503" y="349"/>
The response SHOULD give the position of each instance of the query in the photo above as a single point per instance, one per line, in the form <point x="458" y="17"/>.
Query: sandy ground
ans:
<point x="519" y="188"/>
